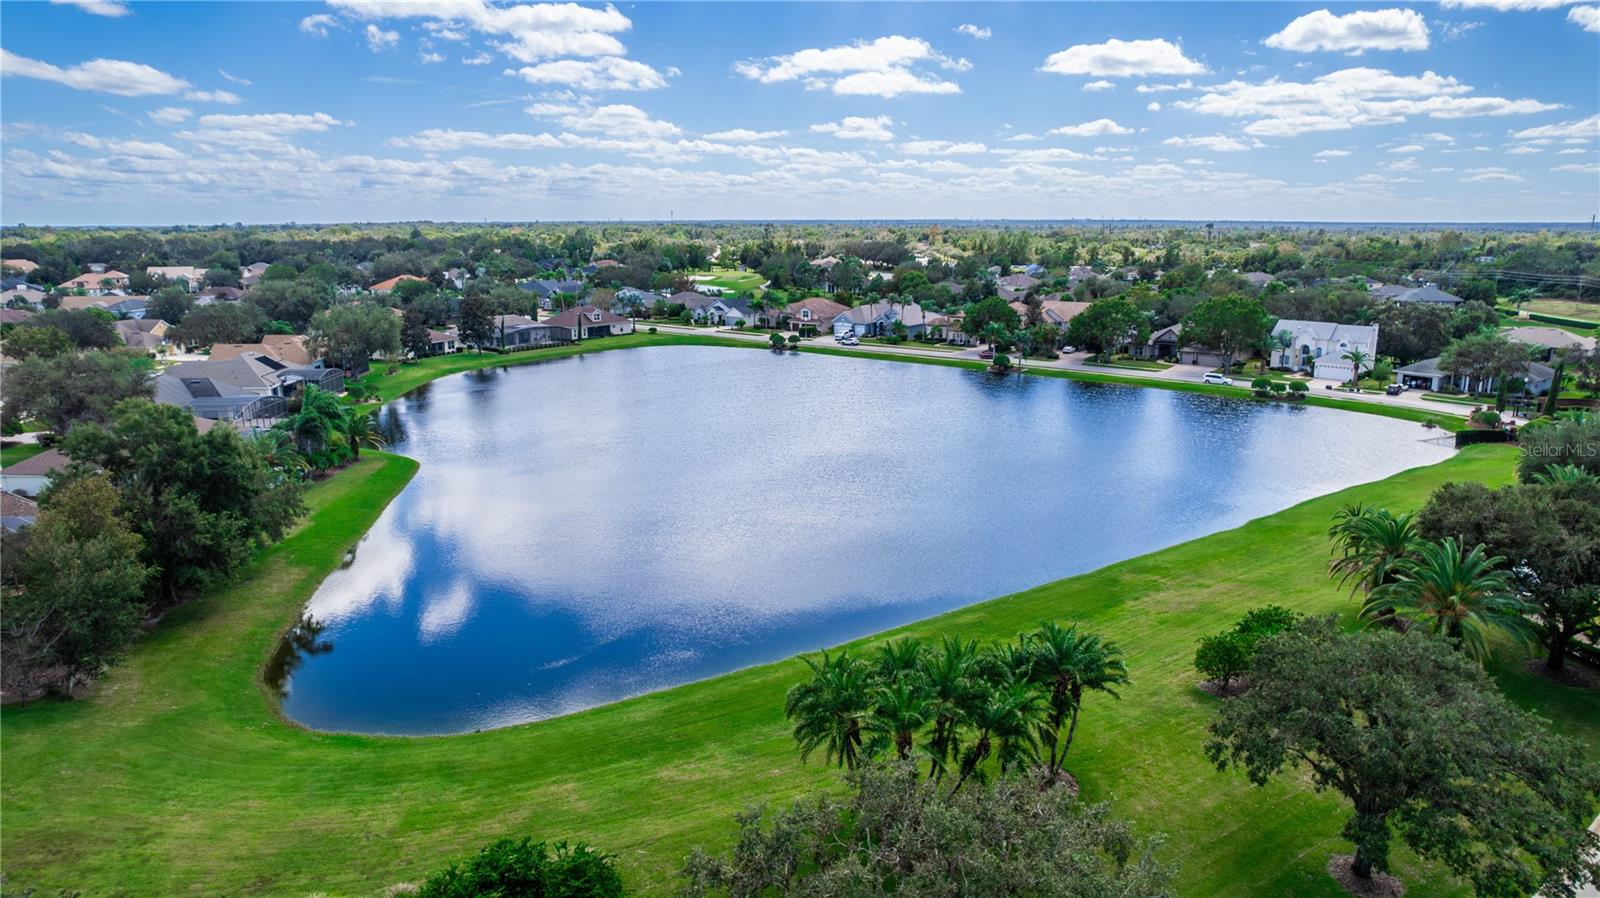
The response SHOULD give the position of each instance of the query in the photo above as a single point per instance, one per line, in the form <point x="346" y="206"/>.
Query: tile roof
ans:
<point x="47" y="462"/>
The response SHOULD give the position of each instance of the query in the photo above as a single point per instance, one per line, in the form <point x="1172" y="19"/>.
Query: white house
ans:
<point x="1429" y="374"/>
<point x="1321" y="347"/>
<point x="878" y="318"/>
<point x="29" y="476"/>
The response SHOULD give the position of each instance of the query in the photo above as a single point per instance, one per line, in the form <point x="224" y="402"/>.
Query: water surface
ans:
<point x="601" y="526"/>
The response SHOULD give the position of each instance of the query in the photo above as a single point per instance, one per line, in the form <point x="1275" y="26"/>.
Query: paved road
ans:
<point x="1077" y="362"/>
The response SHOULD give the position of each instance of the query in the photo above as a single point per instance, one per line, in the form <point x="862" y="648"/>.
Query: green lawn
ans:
<point x="935" y="347"/>
<point x="177" y="776"/>
<point x="1566" y="308"/>
<point x="731" y="279"/>
<point x="1135" y="364"/>
<point x="10" y="455"/>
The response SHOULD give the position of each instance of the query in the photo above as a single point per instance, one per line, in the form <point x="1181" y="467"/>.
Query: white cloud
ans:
<point x="529" y="32"/>
<point x="1102" y="84"/>
<point x="235" y="79"/>
<point x="602" y="73"/>
<point x="1583" y="128"/>
<point x="1346" y="99"/>
<point x="1354" y="33"/>
<point x="942" y="148"/>
<point x="106" y="76"/>
<point x="1572" y="152"/>
<point x="318" y="24"/>
<point x="744" y="135"/>
<point x="1217" y="143"/>
<point x="379" y="40"/>
<point x="1408" y="148"/>
<point x="886" y="67"/>
<point x="977" y="32"/>
<point x="1586" y="168"/>
<point x="1120" y="58"/>
<point x="115" y="9"/>
<point x="1185" y="84"/>
<point x="1092" y="129"/>
<point x="269" y="131"/>
<point x="618" y="118"/>
<point x="858" y="127"/>
<point x="1504" y="5"/>
<point x="483" y="58"/>
<point x="169" y="115"/>
<point x="1585" y="17"/>
<point x="1493" y="173"/>
<point x="438" y="140"/>
<point x="226" y="98"/>
<point x="1330" y="154"/>
<point x="1152" y="106"/>
<point x="1524" y="150"/>
<point x="428" y="57"/>
<point x="135" y="149"/>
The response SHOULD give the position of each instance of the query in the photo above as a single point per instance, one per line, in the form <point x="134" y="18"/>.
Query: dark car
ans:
<point x="986" y="354"/>
<point x="1395" y="389"/>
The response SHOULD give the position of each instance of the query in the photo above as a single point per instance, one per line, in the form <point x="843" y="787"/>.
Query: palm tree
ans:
<point x="1371" y="544"/>
<point x="277" y="451"/>
<point x="1562" y="474"/>
<point x="1455" y="594"/>
<point x="1283" y="341"/>
<point x="948" y="677"/>
<point x="1004" y="719"/>
<point x="1357" y="358"/>
<point x="898" y="711"/>
<point x="897" y="659"/>
<point x="828" y="711"/>
<point x="361" y="431"/>
<point x="1066" y="664"/>
<point x="320" y="418"/>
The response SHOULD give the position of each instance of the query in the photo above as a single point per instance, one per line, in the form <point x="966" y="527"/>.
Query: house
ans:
<point x="1021" y="283"/>
<point x="689" y="299"/>
<point x="628" y="298"/>
<point x="951" y="328"/>
<point x="545" y="288"/>
<point x="290" y="349"/>
<point x="1258" y="279"/>
<point x="812" y="315"/>
<point x="1548" y="339"/>
<point x="97" y="283"/>
<point x="384" y="288"/>
<point x="1162" y="343"/>
<point x="1059" y="313"/>
<point x="14" y="316"/>
<point x="21" y="266"/>
<point x="27" y="295"/>
<point x="218" y="294"/>
<point x="442" y="342"/>
<point x="1385" y="291"/>
<point x="126" y="306"/>
<point x="878" y="318"/>
<point x="457" y="277"/>
<point x="1320" y="347"/>
<point x="723" y="310"/>
<point x="1079" y="273"/>
<point x="585" y="322"/>
<point x="248" y="388"/>
<point x="1428" y="375"/>
<point x="250" y="275"/>
<point x="1428" y="293"/>
<point x="510" y="333"/>
<point x="29" y="476"/>
<point x="825" y="263"/>
<point x="17" y="512"/>
<point x="146" y="334"/>
<point x="190" y="277"/>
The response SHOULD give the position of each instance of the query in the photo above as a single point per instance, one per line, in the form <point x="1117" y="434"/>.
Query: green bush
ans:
<point x="1002" y="362"/>
<point x="1260" y="623"/>
<point x="1298" y="388"/>
<point x="652" y="328"/>
<point x="528" y="869"/>
<point x="1279" y="386"/>
<point x="1487" y="417"/>
<point x="1262" y="386"/>
<point x="1223" y="657"/>
<point x="776" y="341"/>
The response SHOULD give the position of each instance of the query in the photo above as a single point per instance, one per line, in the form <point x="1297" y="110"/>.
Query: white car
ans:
<point x="1215" y="378"/>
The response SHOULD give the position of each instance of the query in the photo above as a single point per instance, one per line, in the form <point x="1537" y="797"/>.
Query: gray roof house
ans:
<point x="545" y="288"/>
<point x="1258" y="279"/>
<point x="721" y="310"/>
<point x="16" y="512"/>
<point x="1320" y="347"/>
<point x="1429" y="293"/>
<point x="873" y="319"/>
<point x="29" y="476"/>
<point x="510" y="333"/>
<point x="249" y="388"/>
<point x="1428" y="375"/>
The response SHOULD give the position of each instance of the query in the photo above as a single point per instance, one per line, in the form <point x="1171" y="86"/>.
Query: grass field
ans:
<point x="10" y="455"/>
<point x="1566" y="308"/>
<point x="1135" y="364"/>
<point x="178" y="777"/>
<point x="730" y="279"/>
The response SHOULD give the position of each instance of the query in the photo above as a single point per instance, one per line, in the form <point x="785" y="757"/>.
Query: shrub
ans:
<point x="528" y="869"/>
<point x="1262" y="386"/>
<point x="1259" y="623"/>
<point x="1279" y="386"/>
<point x="1487" y="418"/>
<point x="1223" y="657"/>
<point x="1298" y="388"/>
<point x="1002" y="362"/>
<point x="776" y="341"/>
<point x="652" y="328"/>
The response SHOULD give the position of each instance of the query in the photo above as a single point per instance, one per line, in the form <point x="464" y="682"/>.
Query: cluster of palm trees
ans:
<point x="1458" y="593"/>
<point x="955" y="706"/>
<point x="323" y="433"/>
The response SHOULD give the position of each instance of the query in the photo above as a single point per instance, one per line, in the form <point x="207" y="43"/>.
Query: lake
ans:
<point x="593" y="528"/>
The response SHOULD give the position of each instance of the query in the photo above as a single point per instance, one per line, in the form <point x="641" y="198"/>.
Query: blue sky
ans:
<point x="200" y="112"/>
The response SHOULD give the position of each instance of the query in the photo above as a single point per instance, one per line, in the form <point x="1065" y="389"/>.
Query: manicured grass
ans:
<point x="1566" y="308"/>
<point x="1135" y="364"/>
<point x="10" y="455"/>
<point x="731" y="279"/>
<point x="935" y="347"/>
<point x="177" y="776"/>
<point x="1457" y="399"/>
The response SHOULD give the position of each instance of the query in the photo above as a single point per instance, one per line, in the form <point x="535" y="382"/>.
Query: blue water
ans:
<point x="597" y="527"/>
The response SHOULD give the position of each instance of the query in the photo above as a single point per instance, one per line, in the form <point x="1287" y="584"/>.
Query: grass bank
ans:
<point x="177" y="776"/>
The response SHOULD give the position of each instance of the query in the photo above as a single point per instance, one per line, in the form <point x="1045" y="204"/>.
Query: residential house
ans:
<point x="1320" y="347"/>
<point x="97" y="283"/>
<point x="1079" y="273"/>
<point x="29" y="476"/>
<point x="826" y="263"/>
<point x="1428" y="375"/>
<point x="1059" y="313"/>
<point x="126" y="306"/>
<point x="246" y="389"/>
<point x="1015" y="286"/>
<point x="729" y="311"/>
<point x="1163" y="343"/>
<point x="14" y="316"/>
<point x="17" y="512"/>
<point x="951" y="328"/>
<point x="145" y="334"/>
<point x="218" y="294"/>
<point x="190" y="277"/>
<point x="689" y="299"/>
<point x="545" y="288"/>
<point x="628" y="298"/>
<point x="878" y="318"/>
<point x="1258" y="279"/>
<point x="21" y="266"/>
<point x="250" y="275"/>
<point x="27" y="295"/>
<point x="457" y="278"/>
<point x="442" y="342"/>
<point x="290" y="349"/>
<point x="509" y="333"/>
<point x="586" y="322"/>
<point x="1547" y="340"/>
<point x="384" y="288"/>
<point x="1428" y="293"/>
<point x="812" y="315"/>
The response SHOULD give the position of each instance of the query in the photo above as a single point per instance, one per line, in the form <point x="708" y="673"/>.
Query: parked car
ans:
<point x="1395" y="389"/>
<point x="1069" y="349"/>
<point x="986" y="354"/>
<point x="849" y="340"/>
<point x="1215" y="378"/>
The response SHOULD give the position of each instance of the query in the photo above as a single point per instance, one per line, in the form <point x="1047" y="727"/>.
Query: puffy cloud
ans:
<point x="602" y="73"/>
<point x="1346" y="99"/>
<point x="527" y="32"/>
<point x="482" y="58"/>
<point x="1092" y="129"/>
<point x="169" y="115"/>
<point x="1585" y="128"/>
<point x="135" y="149"/>
<point x="1354" y="33"/>
<point x="1152" y="106"/>
<point x="115" y="9"/>
<point x="1217" y="143"/>
<point x="1493" y="173"/>
<point x="1524" y="150"/>
<point x="429" y="57"/>
<point x="438" y="140"/>
<point x="1120" y="58"/>
<point x="379" y="40"/>
<point x="619" y="118"/>
<point x="941" y="148"/>
<point x="226" y="98"/>
<point x="1102" y="84"/>
<point x="1585" y="17"/>
<point x="1330" y="154"/>
<point x="885" y="67"/>
<point x="1185" y="84"/>
<point x="106" y="76"/>
<point x="1504" y="5"/>
<point x="269" y="131"/>
<point x="976" y="32"/>
<point x="744" y="134"/>
<point x="318" y="24"/>
<point x="858" y="127"/>
<point x="1408" y="148"/>
<point x="1586" y="168"/>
